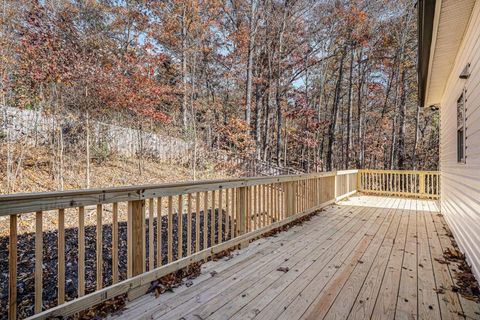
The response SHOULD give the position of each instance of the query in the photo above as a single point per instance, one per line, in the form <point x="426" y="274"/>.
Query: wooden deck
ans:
<point x="366" y="258"/>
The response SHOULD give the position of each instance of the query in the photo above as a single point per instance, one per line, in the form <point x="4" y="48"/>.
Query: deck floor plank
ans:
<point x="261" y="285"/>
<point x="428" y="299"/>
<point x="366" y="298"/>
<point x="249" y="276"/>
<point x="406" y="307"/>
<point x="295" y="298"/>
<point x="228" y="277"/>
<point x="363" y="258"/>
<point x="346" y="298"/>
<point x="351" y="276"/>
<point x="385" y="303"/>
<point x="263" y="296"/>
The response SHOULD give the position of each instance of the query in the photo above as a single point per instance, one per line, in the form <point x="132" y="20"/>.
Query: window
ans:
<point x="461" y="129"/>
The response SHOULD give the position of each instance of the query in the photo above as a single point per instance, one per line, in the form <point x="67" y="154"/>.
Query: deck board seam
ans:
<point x="391" y="211"/>
<point x="259" y="265"/>
<point x="266" y="306"/>
<point x="403" y="259"/>
<point x="386" y="267"/>
<point x="353" y="218"/>
<point x="370" y="220"/>
<point x="269" y="246"/>
<point x="314" y="249"/>
<point x="388" y="215"/>
<point x="433" y="268"/>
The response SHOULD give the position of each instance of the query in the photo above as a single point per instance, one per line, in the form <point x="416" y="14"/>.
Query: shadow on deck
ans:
<point x="367" y="257"/>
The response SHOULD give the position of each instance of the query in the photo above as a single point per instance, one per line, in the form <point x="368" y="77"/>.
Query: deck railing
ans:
<point x="420" y="184"/>
<point x="152" y="231"/>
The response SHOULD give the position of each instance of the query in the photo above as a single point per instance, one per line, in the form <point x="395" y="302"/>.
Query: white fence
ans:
<point x="18" y="124"/>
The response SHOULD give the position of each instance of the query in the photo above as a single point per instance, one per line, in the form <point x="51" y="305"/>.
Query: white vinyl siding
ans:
<point x="460" y="194"/>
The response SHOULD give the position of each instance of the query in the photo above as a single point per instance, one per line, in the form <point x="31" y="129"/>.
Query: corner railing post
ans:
<point x="136" y="238"/>
<point x="359" y="181"/>
<point x="335" y="194"/>
<point x="422" y="184"/>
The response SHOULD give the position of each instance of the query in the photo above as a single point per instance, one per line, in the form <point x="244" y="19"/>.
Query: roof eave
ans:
<point x="426" y="13"/>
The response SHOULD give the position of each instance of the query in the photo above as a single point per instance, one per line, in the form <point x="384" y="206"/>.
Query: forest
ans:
<point x="312" y="85"/>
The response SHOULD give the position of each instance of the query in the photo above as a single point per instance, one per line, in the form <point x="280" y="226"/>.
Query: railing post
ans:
<point x="422" y="184"/>
<point x="289" y="199"/>
<point x="335" y="186"/>
<point x="12" y="266"/>
<point x="347" y="177"/>
<point x="359" y="181"/>
<point x="136" y="238"/>
<point x="242" y="193"/>
<point x="242" y="209"/>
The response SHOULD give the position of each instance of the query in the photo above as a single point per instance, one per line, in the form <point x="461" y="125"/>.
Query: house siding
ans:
<point x="460" y="194"/>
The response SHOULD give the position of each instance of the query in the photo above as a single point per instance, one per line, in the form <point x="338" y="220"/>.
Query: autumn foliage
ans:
<point x="317" y="85"/>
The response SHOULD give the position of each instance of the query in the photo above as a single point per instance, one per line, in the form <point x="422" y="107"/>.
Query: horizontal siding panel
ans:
<point x="467" y="231"/>
<point x="463" y="239"/>
<point x="468" y="196"/>
<point x="460" y="194"/>
<point x="462" y="217"/>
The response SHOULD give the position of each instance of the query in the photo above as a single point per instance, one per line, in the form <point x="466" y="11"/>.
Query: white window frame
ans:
<point x="463" y="126"/>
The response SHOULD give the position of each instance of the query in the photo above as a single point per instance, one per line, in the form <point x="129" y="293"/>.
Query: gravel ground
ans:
<point x="26" y="259"/>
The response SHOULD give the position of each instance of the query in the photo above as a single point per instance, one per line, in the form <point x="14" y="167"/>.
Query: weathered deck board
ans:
<point x="368" y="257"/>
<point x="349" y="292"/>
<point x="428" y="304"/>
<point x="387" y="296"/>
<point x="316" y="280"/>
<point x="245" y="263"/>
<point x="253" y="286"/>
<point x="406" y="306"/>
<point x="259" y="295"/>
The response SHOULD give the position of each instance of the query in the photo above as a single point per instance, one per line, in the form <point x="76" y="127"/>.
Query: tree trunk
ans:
<point x="285" y="145"/>
<point x="401" y="124"/>
<point x="266" y="125"/>
<point x="361" y="80"/>
<point x="415" y="142"/>
<point x="194" y="119"/>
<point x="393" y="142"/>
<point x="279" y="126"/>
<point x="333" y="124"/>
<point x="87" y="138"/>
<point x="251" y="44"/>
<point x="184" y="69"/>
<point x="349" y="113"/>
<point x="61" y="158"/>
<point x="278" y="86"/>
<point x="257" y="122"/>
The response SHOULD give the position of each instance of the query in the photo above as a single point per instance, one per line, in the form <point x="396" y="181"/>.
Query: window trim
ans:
<point x="463" y="127"/>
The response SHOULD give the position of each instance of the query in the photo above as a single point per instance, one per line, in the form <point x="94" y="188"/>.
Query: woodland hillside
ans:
<point x="314" y="85"/>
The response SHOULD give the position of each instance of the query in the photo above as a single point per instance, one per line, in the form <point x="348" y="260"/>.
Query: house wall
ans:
<point x="460" y="194"/>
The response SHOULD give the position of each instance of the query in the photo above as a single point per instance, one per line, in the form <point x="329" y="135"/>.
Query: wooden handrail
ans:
<point x="217" y="215"/>
<point x="400" y="171"/>
<point x="408" y="183"/>
<point x="41" y="201"/>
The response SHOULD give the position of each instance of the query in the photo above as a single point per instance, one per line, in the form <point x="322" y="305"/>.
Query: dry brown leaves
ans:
<point x="465" y="282"/>
<point x="104" y="309"/>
